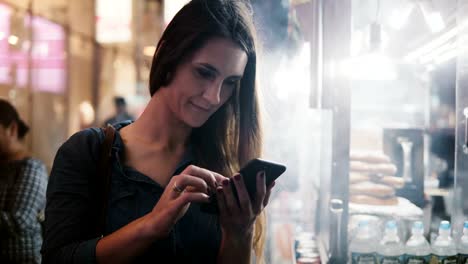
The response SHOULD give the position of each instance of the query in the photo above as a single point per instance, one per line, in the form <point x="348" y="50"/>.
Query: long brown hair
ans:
<point x="233" y="135"/>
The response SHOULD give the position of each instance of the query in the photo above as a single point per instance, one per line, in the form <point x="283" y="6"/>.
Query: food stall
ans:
<point x="384" y="134"/>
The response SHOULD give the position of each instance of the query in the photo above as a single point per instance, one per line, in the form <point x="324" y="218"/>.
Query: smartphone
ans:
<point x="249" y="173"/>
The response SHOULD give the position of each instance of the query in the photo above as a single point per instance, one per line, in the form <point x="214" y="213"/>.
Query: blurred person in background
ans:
<point x="23" y="183"/>
<point x="121" y="112"/>
<point x="200" y="127"/>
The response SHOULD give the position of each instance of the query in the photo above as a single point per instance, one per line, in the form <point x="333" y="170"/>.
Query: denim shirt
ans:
<point x="71" y="211"/>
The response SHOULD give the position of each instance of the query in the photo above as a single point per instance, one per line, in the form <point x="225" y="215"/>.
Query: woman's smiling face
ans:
<point x="205" y="81"/>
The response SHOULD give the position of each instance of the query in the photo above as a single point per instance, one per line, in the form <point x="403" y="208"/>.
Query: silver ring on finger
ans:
<point x="176" y="188"/>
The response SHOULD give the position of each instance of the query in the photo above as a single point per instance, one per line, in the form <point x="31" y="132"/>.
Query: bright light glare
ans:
<point x="294" y="76"/>
<point x="374" y="66"/>
<point x="13" y="40"/>
<point x="447" y="55"/>
<point x="435" y="22"/>
<point x="87" y="113"/>
<point x="437" y="52"/>
<point x="436" y="44"/>
<point x="357" y="42"/>
<point x="399" y="17"/>
<point x="430" y="67"/>
<point x="149" y="51"/>
<point x="171" y="7"/>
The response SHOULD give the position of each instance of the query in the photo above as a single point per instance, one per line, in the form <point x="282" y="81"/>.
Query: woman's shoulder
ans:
<point x="88" y="135"/>
<point x="83" y="145"/>
<point x="85" y="138"/>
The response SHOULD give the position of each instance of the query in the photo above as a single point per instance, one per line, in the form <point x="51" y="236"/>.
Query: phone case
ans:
<point x="272" y="171"/>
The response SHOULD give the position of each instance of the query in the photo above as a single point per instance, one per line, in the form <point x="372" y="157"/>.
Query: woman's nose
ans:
<point x="212" y="93"/>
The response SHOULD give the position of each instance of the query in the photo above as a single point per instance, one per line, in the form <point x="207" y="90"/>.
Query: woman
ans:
<point x="23" y="183"/>
<point x="204" y="112"/>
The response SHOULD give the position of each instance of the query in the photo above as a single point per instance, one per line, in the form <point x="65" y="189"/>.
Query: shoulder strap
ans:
<point x="104" y="171"/>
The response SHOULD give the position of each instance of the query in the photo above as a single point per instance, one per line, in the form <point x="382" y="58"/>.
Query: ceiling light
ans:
<point x="13" y="40"/>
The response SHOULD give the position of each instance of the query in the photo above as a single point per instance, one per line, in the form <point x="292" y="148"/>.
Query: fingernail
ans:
<point x="237" y="177"/>
<point x="226" y="182"/>
<point x="262" y="175"/>
<point x="273" y="184"/>
<point x="219" y="189"/>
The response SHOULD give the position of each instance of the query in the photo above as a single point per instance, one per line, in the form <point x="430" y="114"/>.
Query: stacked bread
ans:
<point x="372" y="180"/>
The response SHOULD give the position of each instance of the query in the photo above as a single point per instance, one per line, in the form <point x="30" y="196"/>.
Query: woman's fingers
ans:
<point x="229" y="197"/>
<point x="222" y="207"/>
<point x="205" y="174"/>
<point x="268" y="193"/>
<point x="219" y="178"/>
<point x="180" y="182"/>
<point x="189" y="197"/>
<point x="261" y="191"/>
<point x="242" y="193"/>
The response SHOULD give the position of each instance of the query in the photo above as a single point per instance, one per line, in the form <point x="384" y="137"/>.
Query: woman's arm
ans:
<point x="235" y="249"/>
<point x="70" y="216"/>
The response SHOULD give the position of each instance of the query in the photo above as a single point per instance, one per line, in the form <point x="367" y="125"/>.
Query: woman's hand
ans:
<point x="237" y="219"/>
<point x="192" y="185"/>
<point x="136" y="237"/>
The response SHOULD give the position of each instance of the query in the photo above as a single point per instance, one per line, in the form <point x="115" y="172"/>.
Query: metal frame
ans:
<point x="460" y="204"/>
<point x="335" y="97"/>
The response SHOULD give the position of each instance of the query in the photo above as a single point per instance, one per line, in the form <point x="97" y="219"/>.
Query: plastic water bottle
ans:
<point x="463" y="246"/>
<point x="362" y="246"/>
<point x="418" y="250"/>
<point x="443" y="248"/>
<point x="390" y="249"/>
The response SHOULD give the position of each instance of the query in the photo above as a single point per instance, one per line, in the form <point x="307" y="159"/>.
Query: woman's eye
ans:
<point x="232" y="83"/>
<point x="205" y="73"/>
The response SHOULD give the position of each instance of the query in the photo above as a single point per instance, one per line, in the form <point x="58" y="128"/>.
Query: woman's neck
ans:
<point x="157" y="126"/>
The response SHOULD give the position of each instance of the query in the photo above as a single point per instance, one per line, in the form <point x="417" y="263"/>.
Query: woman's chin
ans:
<point x="196" y="122"/>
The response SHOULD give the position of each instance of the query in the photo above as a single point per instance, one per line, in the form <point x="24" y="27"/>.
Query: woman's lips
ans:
<point x="200" y="108"/>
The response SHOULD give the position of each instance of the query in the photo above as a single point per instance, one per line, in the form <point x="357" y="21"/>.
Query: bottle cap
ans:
<point x="445" y="225"/>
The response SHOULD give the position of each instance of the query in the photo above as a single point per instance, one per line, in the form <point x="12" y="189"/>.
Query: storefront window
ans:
<point x="48" y="57"/>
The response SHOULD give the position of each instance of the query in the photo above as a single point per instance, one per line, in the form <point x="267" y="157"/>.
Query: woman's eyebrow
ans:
<point x="209" y="67"/>
<point x="213" y="68"/>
